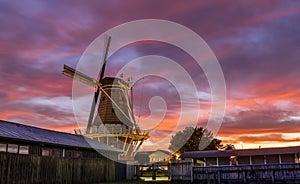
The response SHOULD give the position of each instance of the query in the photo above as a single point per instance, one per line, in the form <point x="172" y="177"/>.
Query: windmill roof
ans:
<point x="15" y="131"/>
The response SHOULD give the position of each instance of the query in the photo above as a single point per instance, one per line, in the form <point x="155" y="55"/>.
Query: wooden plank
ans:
<point x="16" y="168"/>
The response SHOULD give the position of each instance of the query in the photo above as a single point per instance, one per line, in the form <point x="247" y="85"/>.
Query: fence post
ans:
<point x="192" y="171"/>
<point x="273" y="176"/>
<point x="215" y="177"/>
<point x="138" y="171"/>
<point x="154" y="172"/>
<point x="244" y="177"/>
<point x="219" y="177"/>
<point x="208" y="177"/>
<point x="169" y="171"/>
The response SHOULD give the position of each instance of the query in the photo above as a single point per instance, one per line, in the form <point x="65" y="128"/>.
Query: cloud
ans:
<point x="256" y="43"/>
<point x="266" y="138"/>
<point x="259" y="122"/>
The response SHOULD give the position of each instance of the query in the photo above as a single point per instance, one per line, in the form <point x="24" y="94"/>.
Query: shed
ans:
<point x="36" y="155"/>
<point x="261" y="156"/>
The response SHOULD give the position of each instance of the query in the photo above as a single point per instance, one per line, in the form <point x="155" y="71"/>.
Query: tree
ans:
<point x="190" y="138"/>
<point x="228" y="147"/>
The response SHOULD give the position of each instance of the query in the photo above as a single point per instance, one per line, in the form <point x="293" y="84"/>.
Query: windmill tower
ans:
<point x="114" y="123"/>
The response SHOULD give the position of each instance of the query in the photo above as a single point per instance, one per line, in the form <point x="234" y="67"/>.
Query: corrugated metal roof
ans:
<point x="245" y="152"/>
<point x="29" y="133"/>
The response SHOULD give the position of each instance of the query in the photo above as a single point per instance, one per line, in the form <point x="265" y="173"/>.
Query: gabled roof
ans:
<point x="164" y="151"/>
<point x="245" y="152"/>
<point x="151" y="152"/>
<point x="15" y="131"/>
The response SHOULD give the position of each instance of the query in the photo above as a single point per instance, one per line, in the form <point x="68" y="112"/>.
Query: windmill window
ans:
<point x="103" y="98"/>
<point x="113" y="110"/>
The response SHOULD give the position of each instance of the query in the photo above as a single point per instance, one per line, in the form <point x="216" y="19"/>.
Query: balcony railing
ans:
<point x="109" y="129"/>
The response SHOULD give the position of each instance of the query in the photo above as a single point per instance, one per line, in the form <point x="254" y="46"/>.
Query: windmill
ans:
<point x="114" y="123"/>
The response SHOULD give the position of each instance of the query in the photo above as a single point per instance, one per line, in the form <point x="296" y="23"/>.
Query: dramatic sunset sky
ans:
<point x="257" y="44"/>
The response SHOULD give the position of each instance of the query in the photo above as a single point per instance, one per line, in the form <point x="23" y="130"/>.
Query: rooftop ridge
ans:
<point x="43" y="129"/>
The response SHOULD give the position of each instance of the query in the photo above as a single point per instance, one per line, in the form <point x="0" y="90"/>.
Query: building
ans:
<point x="262" y="156"/>
<point x="115" y="123"/>
<point x="24" y="139"/>
<point x="156" y="156"/>
<point x="159" y="156"/>
<point x="265" y="165"/>
<point x="34" y="155"/>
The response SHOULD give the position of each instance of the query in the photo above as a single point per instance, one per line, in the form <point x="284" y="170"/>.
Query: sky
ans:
<point x="256" y="43"/>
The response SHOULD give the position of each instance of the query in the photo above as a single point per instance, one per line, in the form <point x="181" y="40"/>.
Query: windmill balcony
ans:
<point x="109" y="129"/>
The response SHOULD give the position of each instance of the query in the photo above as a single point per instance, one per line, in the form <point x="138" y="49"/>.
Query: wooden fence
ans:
<point x="16" y="168"/>
<point x="181" y="170"/>
<point x="279" y="173"/>
<point x="287" y="173"/>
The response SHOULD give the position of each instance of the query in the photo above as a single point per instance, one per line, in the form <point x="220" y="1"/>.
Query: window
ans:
<point x="24" y="149"/>
<point x="233" y="160"/>
<point x="46" y="152"/>
<point x="12" y="148"/>
<point x="3" y="147"/>
<point x="52" y="152"/>
<point x="68" y="153"/>
<point x="103" y="98"/>
<point x="73" y="154"/>
<point x="297" y="158"/>
<point x="57" y="152"/>
<point x="288" y="159"/>
<point x="77" y="154"/>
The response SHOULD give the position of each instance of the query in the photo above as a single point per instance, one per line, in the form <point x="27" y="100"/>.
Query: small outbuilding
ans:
<point x="155" y="156"/>
<point x="34" y="155"/>
<point x="262" y="156"/>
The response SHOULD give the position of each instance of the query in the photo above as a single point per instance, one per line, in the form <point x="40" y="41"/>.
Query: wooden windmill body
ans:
<point x="114" y="123"/>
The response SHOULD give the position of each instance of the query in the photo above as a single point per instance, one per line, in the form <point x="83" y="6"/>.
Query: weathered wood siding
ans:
<point x="16" y="168"/>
